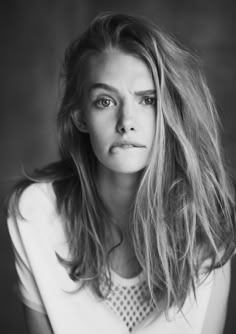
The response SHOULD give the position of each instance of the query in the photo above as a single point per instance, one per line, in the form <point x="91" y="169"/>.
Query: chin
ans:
<point x="126" y="168"/>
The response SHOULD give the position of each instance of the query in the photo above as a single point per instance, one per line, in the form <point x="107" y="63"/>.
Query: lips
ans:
<point x="126" y="145"/>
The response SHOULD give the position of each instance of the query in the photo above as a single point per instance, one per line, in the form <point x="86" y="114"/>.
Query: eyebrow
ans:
<point x="113" y="89"/>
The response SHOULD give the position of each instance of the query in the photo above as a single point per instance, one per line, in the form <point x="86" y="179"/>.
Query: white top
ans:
<point x="45" y="285"/>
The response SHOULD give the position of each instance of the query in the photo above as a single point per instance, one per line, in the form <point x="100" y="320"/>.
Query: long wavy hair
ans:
<point x="183" y="211"/>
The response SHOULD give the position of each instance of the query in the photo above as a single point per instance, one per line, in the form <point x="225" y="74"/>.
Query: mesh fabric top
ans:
<point x="128" y="299"/>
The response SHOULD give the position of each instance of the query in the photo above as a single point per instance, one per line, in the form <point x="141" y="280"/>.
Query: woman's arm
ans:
<point x="36" y="322"/>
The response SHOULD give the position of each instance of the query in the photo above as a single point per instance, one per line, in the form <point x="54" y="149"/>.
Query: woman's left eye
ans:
<point x="149" y="100"/>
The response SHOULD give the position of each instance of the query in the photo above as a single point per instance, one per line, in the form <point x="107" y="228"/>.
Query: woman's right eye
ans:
<point x="104" y="103"/>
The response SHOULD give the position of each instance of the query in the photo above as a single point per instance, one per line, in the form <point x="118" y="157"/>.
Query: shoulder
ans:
<point x="37" y="210"/>
<point x="38" y="221"/>
<point x="37" y="196"/>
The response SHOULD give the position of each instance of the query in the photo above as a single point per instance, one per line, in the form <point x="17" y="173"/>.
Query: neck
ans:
<point x="117" y="190"/>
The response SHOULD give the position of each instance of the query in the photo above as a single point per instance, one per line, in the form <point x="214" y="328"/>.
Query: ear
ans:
<point x="79" y="121"/>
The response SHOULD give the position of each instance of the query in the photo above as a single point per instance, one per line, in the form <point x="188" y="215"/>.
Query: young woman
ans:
<point x="133" y="229"/>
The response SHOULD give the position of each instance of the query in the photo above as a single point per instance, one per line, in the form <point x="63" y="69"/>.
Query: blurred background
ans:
<point x="34" y="35"/>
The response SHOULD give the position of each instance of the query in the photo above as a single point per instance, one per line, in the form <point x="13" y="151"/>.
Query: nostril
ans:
<point x="124" y="129"/>
<point x="125" y="125"/>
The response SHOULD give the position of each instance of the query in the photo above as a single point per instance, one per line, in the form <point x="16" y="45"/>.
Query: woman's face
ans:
<point x="119" y="110"/>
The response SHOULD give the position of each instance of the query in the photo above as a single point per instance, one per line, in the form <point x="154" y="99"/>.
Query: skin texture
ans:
<point x="120" y="107"/>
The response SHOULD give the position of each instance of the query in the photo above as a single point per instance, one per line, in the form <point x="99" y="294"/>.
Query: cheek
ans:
<point x="96" y="131"/>
<point x="150" y="127"/>
<point x="99" y="126"/>
<point x="98" y="136"/>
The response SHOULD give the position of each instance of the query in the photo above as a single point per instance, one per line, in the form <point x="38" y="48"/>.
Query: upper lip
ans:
<point x="127" y="142"/>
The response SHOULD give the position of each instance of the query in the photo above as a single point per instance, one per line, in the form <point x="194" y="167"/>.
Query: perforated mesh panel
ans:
<point x="128" y="302"/>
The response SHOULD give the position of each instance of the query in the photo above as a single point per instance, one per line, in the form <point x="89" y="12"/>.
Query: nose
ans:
<point x="126" y="120"/>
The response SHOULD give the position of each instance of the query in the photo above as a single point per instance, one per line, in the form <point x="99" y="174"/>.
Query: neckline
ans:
<point x="116" y="278"/>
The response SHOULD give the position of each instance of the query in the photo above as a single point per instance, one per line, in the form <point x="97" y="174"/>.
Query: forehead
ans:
<point x="120" y="69"/>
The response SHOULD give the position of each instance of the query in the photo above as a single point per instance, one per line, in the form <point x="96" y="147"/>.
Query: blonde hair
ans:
<point x="183" y="213"/>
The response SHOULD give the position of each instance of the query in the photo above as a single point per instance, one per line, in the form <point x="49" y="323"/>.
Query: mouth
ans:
<point x="126" y="145"/>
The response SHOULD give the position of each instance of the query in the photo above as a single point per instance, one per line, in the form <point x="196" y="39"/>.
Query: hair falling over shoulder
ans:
<point x="184" y="209"/>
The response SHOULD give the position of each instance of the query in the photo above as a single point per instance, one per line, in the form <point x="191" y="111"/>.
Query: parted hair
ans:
<point x="183" y="212"/>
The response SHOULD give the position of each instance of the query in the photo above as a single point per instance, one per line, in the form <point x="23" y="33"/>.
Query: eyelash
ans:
<point x="149" y="97"/>
<point x="101" y="100"/>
